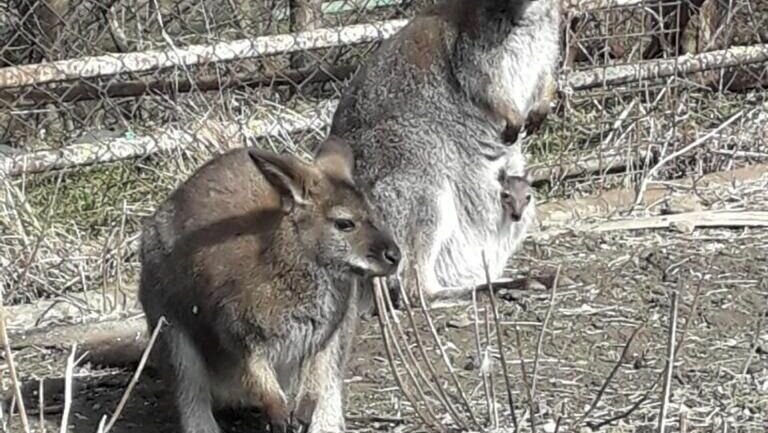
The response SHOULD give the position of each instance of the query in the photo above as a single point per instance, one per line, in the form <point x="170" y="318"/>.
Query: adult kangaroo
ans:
<point x="431" y="118"/>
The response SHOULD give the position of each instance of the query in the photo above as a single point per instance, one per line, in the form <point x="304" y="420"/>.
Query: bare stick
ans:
<point x="439" y="344"/>
<point x="408" y="368"/>
<point x="136" y="375"/>
<point x="491" y="381"/>
<point x="608" y="379"/>
<point x="504" y="368"/>
<point x="476" y="324"/>
<point x="753" y="345"/>
<point x="543" y="330"/>
<point x="11" y="365"/>
<point x="678" y="350"/>
<point x="670" y="362"/>
<point x="408" y="351"/>
<point x="381" y="310"/>
<point x="441" y="393"/>
<point x="41" y="404"/>
<point x="683" y="421"/>
<point x="649" y="176"/>
<point x="526" y="383"/>
<point x="68" y="378"/>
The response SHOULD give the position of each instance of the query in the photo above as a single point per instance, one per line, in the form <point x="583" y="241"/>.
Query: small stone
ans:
<point x="549" y="427"/>
<point x="9" y="151"/>
<point x="472" y="364"/>
<point x="536" y="285"/>
<point x="682" y="226"/>
<point x="682" y="204"/>
<point x="565" y="281"/>
<point x="461" y="322"/>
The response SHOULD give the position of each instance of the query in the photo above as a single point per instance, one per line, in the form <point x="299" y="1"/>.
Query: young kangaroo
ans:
<point x="256" y="262"/>
<point x="417" y="118"/>
<point x="515" y="195"/>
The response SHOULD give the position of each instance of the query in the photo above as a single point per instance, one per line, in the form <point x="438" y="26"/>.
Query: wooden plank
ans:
<point x="689" y="220"/>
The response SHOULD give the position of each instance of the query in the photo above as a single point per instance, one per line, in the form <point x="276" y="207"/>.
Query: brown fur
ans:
<point x="251" y="263"/>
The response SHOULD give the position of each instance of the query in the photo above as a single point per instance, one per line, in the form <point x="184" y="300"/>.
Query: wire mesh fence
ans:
<point x="106" y="105"/>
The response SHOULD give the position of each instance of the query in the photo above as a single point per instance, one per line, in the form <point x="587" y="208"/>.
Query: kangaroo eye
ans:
<point x="344" y="225"/>
<point x="504" y="195"/>
<point x="527" y="197"/>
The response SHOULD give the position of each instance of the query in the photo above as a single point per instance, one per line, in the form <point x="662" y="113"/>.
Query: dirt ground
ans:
<point x="610" y="283"/>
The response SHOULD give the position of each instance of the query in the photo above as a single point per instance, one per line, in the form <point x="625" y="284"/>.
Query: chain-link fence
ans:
<point x="105" y="105"/>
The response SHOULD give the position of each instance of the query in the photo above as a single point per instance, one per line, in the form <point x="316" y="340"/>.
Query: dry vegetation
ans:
<point x="596" y="344"/>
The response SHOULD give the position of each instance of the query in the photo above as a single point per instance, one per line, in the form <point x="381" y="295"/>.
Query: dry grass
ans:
<point x="599" y="343"/>
<point x="588" y="353"/>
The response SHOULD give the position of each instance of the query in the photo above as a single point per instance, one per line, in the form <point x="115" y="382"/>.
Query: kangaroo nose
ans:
<point x="392" y="255"/>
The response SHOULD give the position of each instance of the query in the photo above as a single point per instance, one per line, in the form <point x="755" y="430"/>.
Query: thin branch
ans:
<point x="68" y="378"/>
<point x="136" y="375"/>
<point x="11" y="364"/>
<point x="497" y="321"/>
<point x="526" y="383"/>
<point x="443" y="354"/>
<point x="608" y="379"/>
<point x="491" y="381"/>
<point x="542" y="331"/>
<point x="670" y="362"/>
<point x="684" y="150"/>
<point x="753" y="345"/>
<point x="441" y="393"/>
<point x="478" y="348"/>
<point x="679" y="348"/>
<point x="41" y="404"/>
<point x="403" y="359"/>
<point x="386" y="334"/>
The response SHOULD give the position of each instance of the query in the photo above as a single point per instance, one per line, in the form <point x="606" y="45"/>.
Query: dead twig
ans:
<point x="437" y="388"/>
<point x="670" y="362"/>
<point x="489" y="365"/>
<point x="679" y="348"/>
<point x="497" y="322"/>
<point x="136" y="375"/>
<point x="753" y="345"/>
<point x="649" y="176"/>
<point x="526" y="383"/>
<point x="41" y="404"/>
<point x="409" y="369"/>
<point x="542" y="331"/>
<point x="385" y="331"/>
<point x="478" y="348"/>
<point x="443" y="354"/>
<point x="68" y="378"/>
<point x="11" y="365"/>
<point x="608" y="379"/>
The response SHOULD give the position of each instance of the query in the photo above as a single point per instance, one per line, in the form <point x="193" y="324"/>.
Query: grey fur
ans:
<point x="516" y="194"/>
<point x="428" y="147"/>
<point x="252" y="263"/>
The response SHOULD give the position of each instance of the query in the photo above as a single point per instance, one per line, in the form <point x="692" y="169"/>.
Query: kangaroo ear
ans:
<point x="286" y="173"/>
<point x="334" y="158"/>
